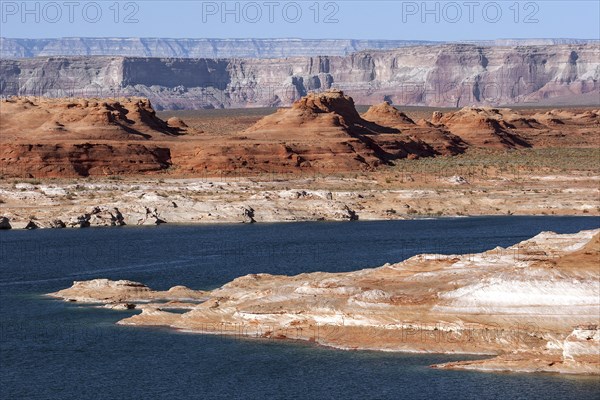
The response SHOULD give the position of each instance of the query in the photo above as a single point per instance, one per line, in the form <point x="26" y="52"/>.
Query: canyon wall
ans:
<point x="441" y="76"/>
<point x="222" y="48"/>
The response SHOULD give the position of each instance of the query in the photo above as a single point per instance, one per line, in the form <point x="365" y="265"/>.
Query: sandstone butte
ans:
<point x="321" y="132"/>
<point x="55" y="138"/>
<point x="531" y="307"/>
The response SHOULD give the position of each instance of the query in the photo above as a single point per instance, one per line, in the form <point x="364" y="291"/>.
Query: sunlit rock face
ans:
<point x="534" y="305"/>
<point x="82" y="137"/>
<point x="441" y="75"/>
<point x="320" y="132"/>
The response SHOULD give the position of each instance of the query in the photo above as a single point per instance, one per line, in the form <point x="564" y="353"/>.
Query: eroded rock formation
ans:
<point x="114" y="293"/>
<point x="535" y="305"/>
<point x="82" y="119"/>
<point x="321" y="132"/>
<point x="80" y="137"/>
<point x="482" y="127"/>
<point x="424" y="139"/>
<point x="450" y="75"/>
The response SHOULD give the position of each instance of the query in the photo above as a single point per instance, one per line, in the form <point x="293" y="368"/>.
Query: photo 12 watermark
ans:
<point x="69" y="12"/>
<point x="453" y="12"/>
<point x="253" y="12"/>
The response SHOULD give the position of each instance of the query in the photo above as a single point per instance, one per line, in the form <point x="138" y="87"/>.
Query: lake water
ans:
<point x="55" y="350"/>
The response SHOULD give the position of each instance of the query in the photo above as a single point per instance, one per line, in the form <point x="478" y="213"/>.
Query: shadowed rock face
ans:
<point x="422" y="140"/>
<point x="535" y="305"/>
<point x="444" y="75"/>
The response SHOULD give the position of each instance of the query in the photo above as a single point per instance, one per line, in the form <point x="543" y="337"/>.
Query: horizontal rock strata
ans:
<point x="452" y="75"/>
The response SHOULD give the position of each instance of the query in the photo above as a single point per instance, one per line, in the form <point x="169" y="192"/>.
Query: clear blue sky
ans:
<point x="441" y="20"/>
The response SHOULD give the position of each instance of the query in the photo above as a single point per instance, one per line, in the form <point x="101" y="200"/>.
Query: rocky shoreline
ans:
<point x="106" y="203"/>
<point x="534" y="306"/>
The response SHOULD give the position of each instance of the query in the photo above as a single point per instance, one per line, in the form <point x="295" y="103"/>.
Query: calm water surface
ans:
<point x="55" y="350"/>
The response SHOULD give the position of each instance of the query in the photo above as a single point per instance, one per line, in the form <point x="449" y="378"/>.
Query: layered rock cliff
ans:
<point x="198" y="48"/>
<point x="445" y="75"/>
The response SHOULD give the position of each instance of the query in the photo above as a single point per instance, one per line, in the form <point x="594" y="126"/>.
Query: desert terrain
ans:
<point x="534" y="306"/>
<point x="300" y="200"/>
<point x="87" y="162"/>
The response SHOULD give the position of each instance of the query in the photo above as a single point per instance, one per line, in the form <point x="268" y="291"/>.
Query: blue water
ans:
<point x="55" y="350"/>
